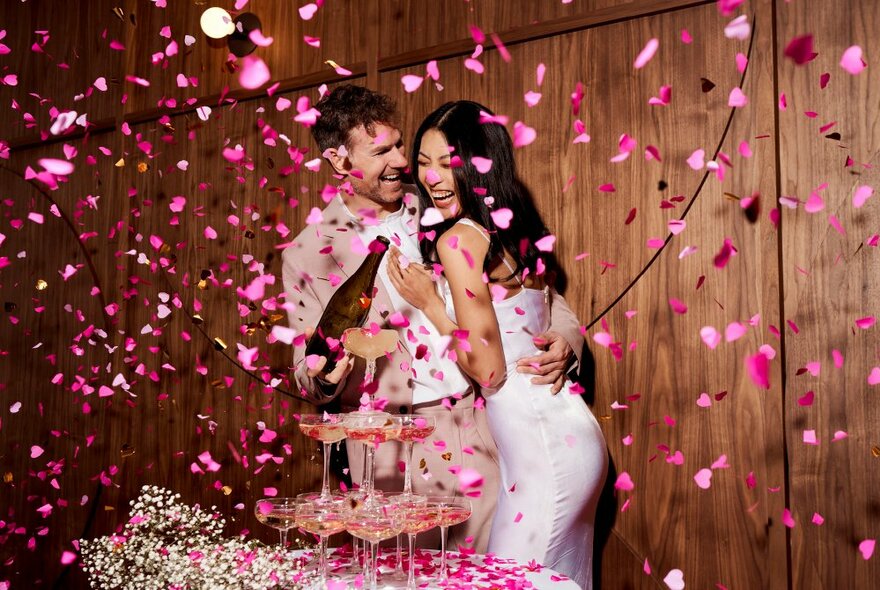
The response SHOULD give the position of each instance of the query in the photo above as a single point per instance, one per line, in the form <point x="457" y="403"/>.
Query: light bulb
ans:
<point x="216" y="23"/>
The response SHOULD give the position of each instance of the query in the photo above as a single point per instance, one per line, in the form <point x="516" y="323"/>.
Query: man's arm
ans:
<point x="563" y="345"/>
<point x="303" y="312"/>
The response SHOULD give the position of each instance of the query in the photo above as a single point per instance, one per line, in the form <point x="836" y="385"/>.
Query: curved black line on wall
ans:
<point x="697" y="192"/>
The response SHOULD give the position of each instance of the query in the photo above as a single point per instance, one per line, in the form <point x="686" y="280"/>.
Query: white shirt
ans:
<point x="434" y="376"/>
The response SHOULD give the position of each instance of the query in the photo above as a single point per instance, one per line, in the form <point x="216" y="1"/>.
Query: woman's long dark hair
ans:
<point x="461" y="125"/>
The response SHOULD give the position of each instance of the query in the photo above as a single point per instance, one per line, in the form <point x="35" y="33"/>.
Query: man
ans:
<point x="358" y="136"/>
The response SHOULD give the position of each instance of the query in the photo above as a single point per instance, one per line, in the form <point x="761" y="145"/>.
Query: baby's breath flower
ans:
<point x="168" y="545"/>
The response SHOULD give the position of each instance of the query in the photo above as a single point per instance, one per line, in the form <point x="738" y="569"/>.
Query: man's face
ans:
<point x="376" y="163"/>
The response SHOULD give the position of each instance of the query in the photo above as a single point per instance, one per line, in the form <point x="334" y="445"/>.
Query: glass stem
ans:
<point x="444" y="576"/>
<point x="373" y="565"/>
<point x="283" y="534"/>
<point x="325" y="487"/>
<point x="411" y="576"/>
<point x="407" y="469"/>
<point x="398" y="568"/>
<point x="368" y="472"/>
<point x="322" y="561"/>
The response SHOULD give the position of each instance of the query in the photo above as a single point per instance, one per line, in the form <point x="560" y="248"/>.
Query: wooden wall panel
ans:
<point x="71" y="54"/>
<point x="831" y="280"/>
<point x="190" y="398"/>
<point x="335" y="24"/>
<point x="433" y="23"/>
<point x="668" y="367"/>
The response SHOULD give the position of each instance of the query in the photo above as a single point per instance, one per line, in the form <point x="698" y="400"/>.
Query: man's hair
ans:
<point x="348" y="107"/>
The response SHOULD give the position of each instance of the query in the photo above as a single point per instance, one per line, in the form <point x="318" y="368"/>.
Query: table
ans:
<point x="465" y="571"/>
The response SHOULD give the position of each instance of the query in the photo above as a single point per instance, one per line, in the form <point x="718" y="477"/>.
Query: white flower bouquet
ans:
<point x="168" y="545"/>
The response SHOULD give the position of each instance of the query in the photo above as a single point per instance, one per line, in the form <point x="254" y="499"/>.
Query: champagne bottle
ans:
<point x="347" y="308"/>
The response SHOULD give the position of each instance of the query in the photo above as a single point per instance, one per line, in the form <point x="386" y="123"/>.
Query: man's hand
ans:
<point x="340" y="371"/>
<point x="549" y="366"/>
<point x="413" y="282"/>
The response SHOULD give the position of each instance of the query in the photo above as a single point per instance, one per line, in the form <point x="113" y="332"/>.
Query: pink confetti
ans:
<point x="737" y="99"/>
<point x="710" y="337"/>
<point x="474" y="65"/>
<point x="254" y="72"/>
<point x="676" y="226"/>
<point x="546" y="243"/>
<point x="624" y="482"/>
<point x="502" y="217"/>
<point x="758" y="369"/>
<point x="852" y="60"/>
<point x="483" y="165"/>
<point x="258" y="39"/>
<point x="523" y="135"/>
<point x="646" y="54"/>
<point x="677" y="306"/>
<point x="866" y="548"/>
<point x="862" y="194"/>
<point x="665" y="95"/>
<point x="866" y="322"/>
<point x="725" y="254"/>
<point x="431" y="216"/>
<point x="800" y="49"/>
<point x="734" y="331"/>
<point x="674" y="580"/>
<point x="469" y="478"/>
<point x="874" y="376"/>
<point x="59" y="167"/>
<point x="738" y="28"/>
<point x="411" y="83"/>
<point x="787" y="519"/>
<point x="697" y="160"/>
<point x="704" y="478"/>
<point x="686" y="37"/>
<point x="308" y="11"/>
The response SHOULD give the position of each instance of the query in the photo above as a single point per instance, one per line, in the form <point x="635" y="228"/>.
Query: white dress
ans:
<point x="552" y="452"/>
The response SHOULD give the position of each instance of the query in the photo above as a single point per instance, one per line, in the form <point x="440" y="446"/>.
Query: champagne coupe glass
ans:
<point x="451" y="510"/>
<point x="410" y="505"/>
<point x="371" y="429"/>
<point x="375" y="523"/>
<point x="369" y="345"/>
<point x="322" y="518"/>
<point x="418" y="518"/>
<point x="412" y="429"/>
<point x="278" y="513"/>
<point x="328" y="429"/>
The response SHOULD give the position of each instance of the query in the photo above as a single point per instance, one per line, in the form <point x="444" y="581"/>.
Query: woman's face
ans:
<point x="435" y="173"/>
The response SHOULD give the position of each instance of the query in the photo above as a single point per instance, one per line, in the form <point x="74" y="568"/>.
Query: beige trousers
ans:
<point x="461" y="438"/>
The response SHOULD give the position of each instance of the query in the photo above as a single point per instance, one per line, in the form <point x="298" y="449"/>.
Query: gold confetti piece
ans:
<point x="226" y="490"/>
<point x="143" y="167"/>
<point x="423" y="464"/>
<point x="109" y="508"/>
<point x="202" y="285"/>
<point x="127" y="450"/>
<point x="165" y="249"/>
<point x="447" y="456"/>
<point x="7" y="477"/>
<point x="218" y="384"/>
<point x="875" y="450"/>
<point x="41" y="285"/>
<point x="731" y="197"/>
<point x="605" y="418"/>
<point x="219" y="344"/>
<point x="197" y="319"/>
<point x="120" y="14"/>
<point x="332" y="64"/>
<point x="120" y="163"/>
<point x="251" y="329"/>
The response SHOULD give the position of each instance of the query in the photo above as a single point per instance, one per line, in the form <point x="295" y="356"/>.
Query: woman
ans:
<point x="495" y="297"/>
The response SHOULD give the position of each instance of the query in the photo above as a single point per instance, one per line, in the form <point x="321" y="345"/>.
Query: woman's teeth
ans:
<point x="442" y="195"/>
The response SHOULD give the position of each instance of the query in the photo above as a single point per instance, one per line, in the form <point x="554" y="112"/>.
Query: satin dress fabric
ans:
<point x="552" y="453"/>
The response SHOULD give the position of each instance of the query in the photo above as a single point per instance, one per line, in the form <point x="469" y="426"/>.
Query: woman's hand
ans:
<point x="413" y="282"/>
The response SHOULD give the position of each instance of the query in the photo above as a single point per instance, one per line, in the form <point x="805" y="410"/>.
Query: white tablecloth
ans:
<point x="467" y="571"/>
